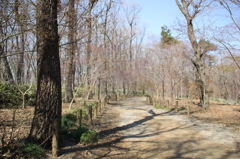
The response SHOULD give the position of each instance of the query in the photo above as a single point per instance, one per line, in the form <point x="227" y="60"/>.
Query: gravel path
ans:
<point x="155" y="133"/>
<point x="130" y="129"/>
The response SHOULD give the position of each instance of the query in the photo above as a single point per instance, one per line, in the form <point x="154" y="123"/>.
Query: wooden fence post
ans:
<point x="90" y="122"/>
<point x="55" y="138"/>
<point x="176" y="106"/>
<point x="188" y="110"/>
<point x="79" y="118"/>
<point x="99" y="106"/>
<point x="84" y="103"/>
<point x="105" y="101"/>
<point x="151" y="100"/>
<point x="147" y="99"/>
<point x="96" y="110"/>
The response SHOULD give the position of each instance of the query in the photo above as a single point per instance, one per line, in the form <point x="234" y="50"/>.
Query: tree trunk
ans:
<point x="8" y="73"/>
<point x="99" y="88"/>
<point x="71" y="51"/>
<point x="197" y="58"/>
<point x="89" y="41"/>
<point x="48" y="100"/>
<point x="21" y="48"/>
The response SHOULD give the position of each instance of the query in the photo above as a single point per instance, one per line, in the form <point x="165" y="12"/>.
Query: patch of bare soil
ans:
<point x="132" y="129"/>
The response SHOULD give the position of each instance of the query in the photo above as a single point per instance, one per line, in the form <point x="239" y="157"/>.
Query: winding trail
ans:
<point x="135" y="130"/>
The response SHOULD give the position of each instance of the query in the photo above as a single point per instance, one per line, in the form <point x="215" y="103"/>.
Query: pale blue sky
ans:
<point x="156" y="13"/>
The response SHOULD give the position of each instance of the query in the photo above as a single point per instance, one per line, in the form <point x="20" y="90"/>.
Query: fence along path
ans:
<point x="131" y="128"/>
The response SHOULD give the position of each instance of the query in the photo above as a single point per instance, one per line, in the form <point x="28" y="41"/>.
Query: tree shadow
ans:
<point x="180" y="149"/>
<point x="106" y="133"/>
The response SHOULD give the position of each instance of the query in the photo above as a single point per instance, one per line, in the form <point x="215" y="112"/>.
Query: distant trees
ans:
<point x="103" y="49"/>
<point x="233" y="31"/>
<point x="4" y="24"/>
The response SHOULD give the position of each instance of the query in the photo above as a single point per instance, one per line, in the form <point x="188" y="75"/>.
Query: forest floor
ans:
<point x="130" y="128"/>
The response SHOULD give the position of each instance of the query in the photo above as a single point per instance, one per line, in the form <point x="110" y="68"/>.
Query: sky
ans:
<point x="157" y="13"/>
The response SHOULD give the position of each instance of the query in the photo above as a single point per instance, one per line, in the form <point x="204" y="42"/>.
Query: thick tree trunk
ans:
<point x="201" y="80"/>
<point x="197" y="58"/>
<point x="48" y="100"/>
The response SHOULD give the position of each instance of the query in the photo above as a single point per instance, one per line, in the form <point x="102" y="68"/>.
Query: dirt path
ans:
<point x="132" y="129"/>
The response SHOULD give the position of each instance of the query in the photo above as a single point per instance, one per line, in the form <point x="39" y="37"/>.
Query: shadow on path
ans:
<point x="106" y="133"/>
<point x="180" y="148"/>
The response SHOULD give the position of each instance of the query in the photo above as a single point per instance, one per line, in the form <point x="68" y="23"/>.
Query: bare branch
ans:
<point x="229" y="51"/>
<point x="19" y="33"/>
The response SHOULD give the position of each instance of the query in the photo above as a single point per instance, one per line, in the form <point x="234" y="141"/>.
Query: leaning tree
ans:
<point x="190" y="9"/>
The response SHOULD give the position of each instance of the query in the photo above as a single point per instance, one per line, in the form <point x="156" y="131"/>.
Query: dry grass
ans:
<point x="228" y="115"/>
<point x="15" y="124"/>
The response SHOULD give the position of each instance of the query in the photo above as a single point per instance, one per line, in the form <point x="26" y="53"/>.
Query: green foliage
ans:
<point x="181" y="108"/>
<point x="84" y="112"/>
<point x="33" y="151"/>
<point x="167" y="38"/>
<point x="75" y="134"/>
<point x="81" y="92"/>
<point x="74" y="112"/>
<point x="161" y="107"/>
<point x="68" y="121"/>
<point x="91" y="136"/>
<point x="11" y="96"/>
<point x="206" y="45"/>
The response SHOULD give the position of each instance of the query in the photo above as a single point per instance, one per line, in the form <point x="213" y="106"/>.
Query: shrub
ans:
<point x="75" y="112"/>
<point x="33" y="151"/>
<point x="11" y="96"/>
<point x="81" y="92"/>
<point x="161" y="107"/>
<point x="75" y="134"/>
<point x="91" y="136"/>
<point x="68" y="121"/>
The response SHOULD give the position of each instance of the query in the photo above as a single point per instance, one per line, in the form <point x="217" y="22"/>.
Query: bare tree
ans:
<point x="190" y="9"/>
<point x="72" y="19"/>
<point x="48" y="100"/>
<point x="227" y="5"/>
<point x="91" y="4"/>
<point x="4" y="22"/>
<point x="21" y="42"/>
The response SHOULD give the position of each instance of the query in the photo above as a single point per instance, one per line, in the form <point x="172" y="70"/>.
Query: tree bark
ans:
<point x="197" y="58"/>
<point x="71" y="51"/>
<point x="89" y="41"/>
<point x="48" y="100"/>
<point x="8" y="73"/>
<point x="21" y="48"/>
